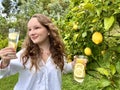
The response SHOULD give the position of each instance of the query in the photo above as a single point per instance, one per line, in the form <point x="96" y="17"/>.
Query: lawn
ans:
<point x="68" y="83"/>
<point x="8" y="82"/>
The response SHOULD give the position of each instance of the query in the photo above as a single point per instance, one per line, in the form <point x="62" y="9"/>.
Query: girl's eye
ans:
<point x="37" y="27"/>
<point x="29" y="29"/>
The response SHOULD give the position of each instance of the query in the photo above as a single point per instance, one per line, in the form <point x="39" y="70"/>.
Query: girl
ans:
<point x="41" y="61"/>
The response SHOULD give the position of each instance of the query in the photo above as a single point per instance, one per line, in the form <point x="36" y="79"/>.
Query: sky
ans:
<point x="3" y="14"/>
<point x="0" y="2"/>
<point x="1" y="8"/>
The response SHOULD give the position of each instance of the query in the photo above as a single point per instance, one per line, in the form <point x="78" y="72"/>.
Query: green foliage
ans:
<point x="50" y="8"/>
<point x="77" y="27"/>
<point x="19" y="44"/>
<point x="3" y="41"/>
<point x="3" y="27"/>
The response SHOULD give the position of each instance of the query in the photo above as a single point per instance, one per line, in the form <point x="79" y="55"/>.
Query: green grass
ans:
<point x="8" y="82"/>
<point x="68" y="83"/>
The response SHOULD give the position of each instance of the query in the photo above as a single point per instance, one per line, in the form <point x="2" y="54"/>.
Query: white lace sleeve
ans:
<point x="14" y="67"/>
<point x="68" y="68"/>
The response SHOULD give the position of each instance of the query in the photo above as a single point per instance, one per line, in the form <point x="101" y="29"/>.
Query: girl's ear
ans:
<point x="48" y="34"/>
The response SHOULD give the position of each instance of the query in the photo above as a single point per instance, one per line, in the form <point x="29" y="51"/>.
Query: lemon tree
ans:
<point x="91" y="27"/>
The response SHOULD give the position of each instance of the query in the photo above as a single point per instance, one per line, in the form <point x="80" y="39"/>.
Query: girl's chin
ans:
<point x="35" y="42"/>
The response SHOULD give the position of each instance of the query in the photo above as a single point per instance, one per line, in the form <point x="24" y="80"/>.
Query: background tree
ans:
<point x="22" y="10"/>
<point x="7" y="6"/>
<point x="91" y="28"/>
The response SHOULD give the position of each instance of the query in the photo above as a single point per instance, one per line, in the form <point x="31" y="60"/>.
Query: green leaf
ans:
<point x="86" y="1"/>
<point x="115" y="48"/>
<point x="104" y="83"/>
<point x="118" y="67"/>
<point x="113" y="69"/>
<point x="75" y="37"/>
<point x="89" y="6"/>
<point x="98" y="11"/>
<point x="84" y="34"/>
<point x="103" y="71"/>
<point x="108" y="22"/>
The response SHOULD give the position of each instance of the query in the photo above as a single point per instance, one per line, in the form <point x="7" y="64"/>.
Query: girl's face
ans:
<point x="37" y="32"/>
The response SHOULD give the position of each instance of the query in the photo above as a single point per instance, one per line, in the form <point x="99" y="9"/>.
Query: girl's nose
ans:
<point x="31" y="32"/>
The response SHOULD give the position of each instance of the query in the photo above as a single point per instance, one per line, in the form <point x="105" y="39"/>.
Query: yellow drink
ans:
<point x="79" y="69"/>
<point x="13" y="38"/>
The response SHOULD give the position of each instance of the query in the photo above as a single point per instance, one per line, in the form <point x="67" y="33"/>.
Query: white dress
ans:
<point x="47" y="78"/>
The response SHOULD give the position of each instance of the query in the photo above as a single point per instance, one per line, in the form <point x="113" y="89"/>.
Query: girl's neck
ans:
<point x="45" y="50"/>
<point x="45" y="46"/>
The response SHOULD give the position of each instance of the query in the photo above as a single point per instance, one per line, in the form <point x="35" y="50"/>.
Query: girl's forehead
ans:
<point x="33" y="21"/>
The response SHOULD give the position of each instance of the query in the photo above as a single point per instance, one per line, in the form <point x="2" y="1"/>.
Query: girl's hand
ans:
<point x="6" y="55"/>
<point x="74" y="61"/>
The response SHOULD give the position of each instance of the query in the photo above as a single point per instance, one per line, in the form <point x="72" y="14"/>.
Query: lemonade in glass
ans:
<point x="13" y="38"/>
<point x="79" y="68"/>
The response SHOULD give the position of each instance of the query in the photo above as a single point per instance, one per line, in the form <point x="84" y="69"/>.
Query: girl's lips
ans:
<point x="35" y="37"/>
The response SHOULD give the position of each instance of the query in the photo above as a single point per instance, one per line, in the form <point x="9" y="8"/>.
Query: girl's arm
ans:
<point x="68" y="67"/>
<point x="13" y="67"/>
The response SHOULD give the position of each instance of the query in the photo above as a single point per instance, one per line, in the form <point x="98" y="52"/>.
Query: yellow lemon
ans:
<point x="103" y="52"/>
<point x="78" y="72"/>
<point x="97" y="37"/>
<point x="87" y="51"/>
<point x="13" y="36"/>
<point x="75" y="26"/>
<point x="69" y="58"/>
<point x="79" y="65"/>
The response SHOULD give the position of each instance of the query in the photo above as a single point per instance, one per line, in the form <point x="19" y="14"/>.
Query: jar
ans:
<point x="79" y="68"/>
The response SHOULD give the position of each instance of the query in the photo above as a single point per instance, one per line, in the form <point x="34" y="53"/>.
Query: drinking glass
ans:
<point x="13" y="37"/>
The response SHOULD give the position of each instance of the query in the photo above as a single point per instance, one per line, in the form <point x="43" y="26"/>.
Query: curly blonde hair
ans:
<point x="56" y="45"/>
